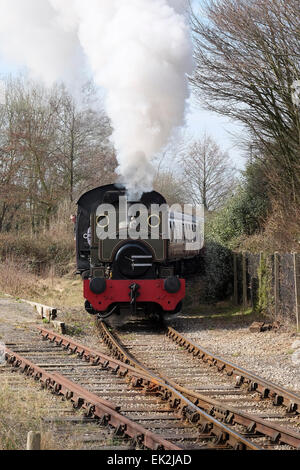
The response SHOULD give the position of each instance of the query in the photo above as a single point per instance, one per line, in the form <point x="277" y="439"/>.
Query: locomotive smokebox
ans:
<point x="133" y="260"/>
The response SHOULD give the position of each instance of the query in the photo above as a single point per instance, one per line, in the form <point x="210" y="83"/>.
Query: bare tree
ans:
<point x="51" y="149"/>
<point x="247" y="58"/>
<point x="169" y="179"/>
<point x="209" y="176"/>
<point x="171" y="186"/>
<point x="84" y="152"/>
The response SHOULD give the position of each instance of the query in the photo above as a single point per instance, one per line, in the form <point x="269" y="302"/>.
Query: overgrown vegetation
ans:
<point x="39" y="254"/>
<point x="62" y="292"/>
<point x="244" y="213"/>
<point x="217" y="272"/>
<point x="264" y="291"/>
<point x="41" y="266"/>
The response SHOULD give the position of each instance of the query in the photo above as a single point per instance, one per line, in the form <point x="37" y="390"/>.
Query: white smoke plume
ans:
<point x="139" y="51"/>
<point x="34" y="34"/>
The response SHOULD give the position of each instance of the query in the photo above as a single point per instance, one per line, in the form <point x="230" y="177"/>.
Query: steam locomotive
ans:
<point x="132" y="255"/>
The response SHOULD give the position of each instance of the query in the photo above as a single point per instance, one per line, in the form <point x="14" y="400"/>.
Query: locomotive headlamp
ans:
<point x="154" y="221"/>
<point x="102" y="221"/>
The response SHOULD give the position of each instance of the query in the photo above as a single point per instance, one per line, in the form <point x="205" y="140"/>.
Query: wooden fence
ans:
<point x="268" y="282"/>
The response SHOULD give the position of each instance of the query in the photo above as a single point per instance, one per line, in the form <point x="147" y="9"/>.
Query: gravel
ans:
<point x="274" y="355"/>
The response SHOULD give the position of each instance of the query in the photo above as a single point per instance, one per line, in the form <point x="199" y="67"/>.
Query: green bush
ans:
<point x="217" y="261"/>
<point x="245" y="212"/>
<point x="242" y="215"/>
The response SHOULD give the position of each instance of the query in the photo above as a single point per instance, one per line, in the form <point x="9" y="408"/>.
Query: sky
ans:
<point x="224" y="131"/>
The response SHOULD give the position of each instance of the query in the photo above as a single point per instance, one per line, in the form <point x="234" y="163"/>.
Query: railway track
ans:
<point x="95" y="387"/>
<point x="109" y="391"/>
<point x="266" y="414"/>
<point x="142" y="401"/>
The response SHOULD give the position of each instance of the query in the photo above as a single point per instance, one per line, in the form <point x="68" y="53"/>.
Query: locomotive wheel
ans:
<point x="89" y="308"/>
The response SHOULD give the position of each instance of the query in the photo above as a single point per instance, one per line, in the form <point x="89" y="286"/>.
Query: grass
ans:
<point x="75" y="329"/>
<point x="67" y="291"/>
<point x="40" y="254"/>
<point x="18" y="281"/>
<point x="223" y="309"/>
<point x="22" y="409"/>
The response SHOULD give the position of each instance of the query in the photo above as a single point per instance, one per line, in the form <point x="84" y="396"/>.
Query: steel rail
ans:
<point x="214" y="408"/>
<point x="254" y="424"/>
<point x="95" y="407"/>
<point x="152" y="384"/>
<point x="267" y="389"/>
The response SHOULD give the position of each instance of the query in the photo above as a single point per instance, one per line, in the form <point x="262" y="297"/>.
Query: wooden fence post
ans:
<point x="245" y="297"/>
<point x="33" y="441"/>
<point x="260" y="277"/>
<point x="261" y="258"/>
<point x="235" y="280"/>
<point x="297" y="286"/>
<point x="276" y="281"/>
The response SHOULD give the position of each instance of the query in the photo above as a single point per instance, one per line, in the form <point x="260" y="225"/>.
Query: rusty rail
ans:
<point x="214" y="408"/>
<point x="95" y="407"/>
<point x="150" y="383"/>
<point x="265" y="388"/>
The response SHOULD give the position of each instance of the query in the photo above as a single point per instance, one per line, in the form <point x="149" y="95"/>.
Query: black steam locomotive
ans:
<point x="132" y="254"/>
